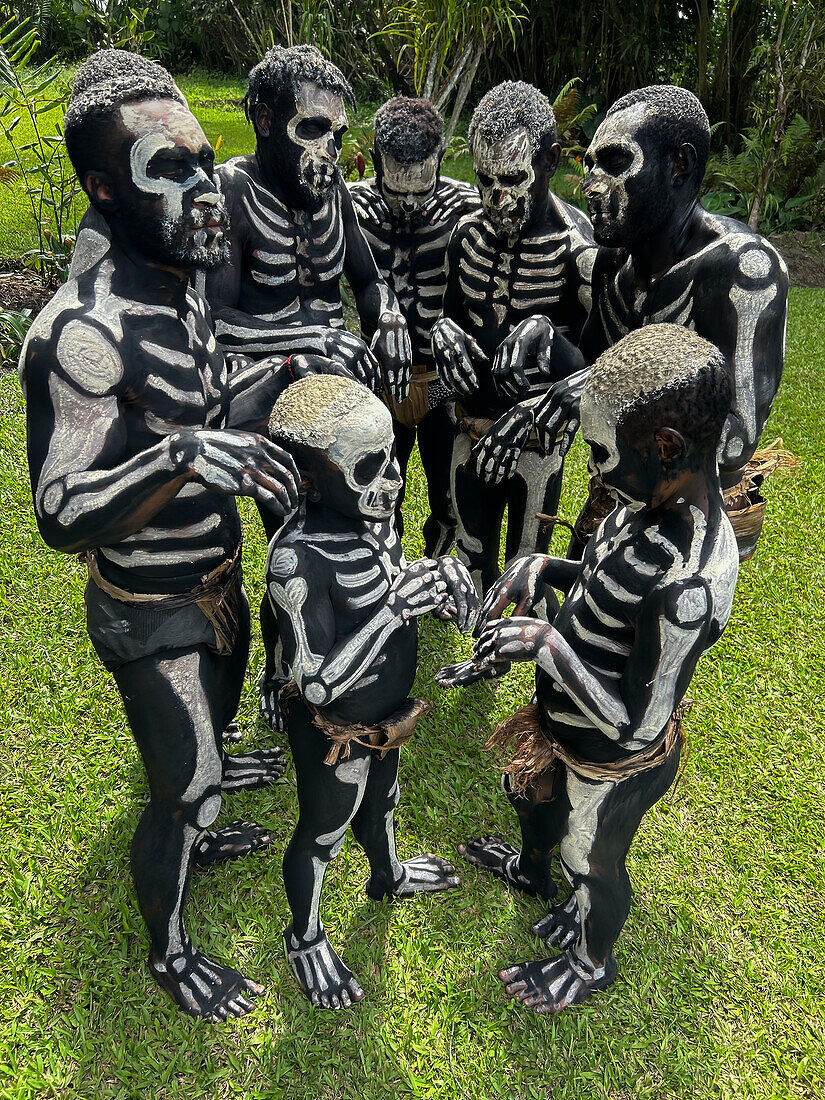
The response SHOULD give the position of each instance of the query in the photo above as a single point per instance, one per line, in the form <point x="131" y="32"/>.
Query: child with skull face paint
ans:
<point x="347" y="604"/>
<point x="407" y="213"/>
<point x="294" y="233"/>
<point x="517" y="274"/>
<point x="654" y="591"/>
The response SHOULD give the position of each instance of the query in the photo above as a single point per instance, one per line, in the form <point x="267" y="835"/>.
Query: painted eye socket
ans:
<point x="615" y="161"/>
<point x="600" y="453"/>
<point x="367" y="468"/>
<point x="513" y="180"/>
<point x="171" y="168"/>
<point x="485" y="181"/>
<point x="311" y="128"/>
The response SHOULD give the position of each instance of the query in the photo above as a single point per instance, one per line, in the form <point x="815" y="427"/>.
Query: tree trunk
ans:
<point x="462" y="93"/>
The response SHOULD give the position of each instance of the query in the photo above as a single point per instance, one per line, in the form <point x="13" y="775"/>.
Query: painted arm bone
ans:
<point x="672" y="632"/>
<point x="326" y="667"/>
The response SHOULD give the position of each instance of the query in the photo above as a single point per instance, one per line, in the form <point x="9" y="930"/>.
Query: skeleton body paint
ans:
<point x="138" y="441"/>
<point x="350" y="638"/>
<point x="407" y="221"/>
<point x="518" y="283"/>
<point x="665" y="259"/>
<point x="653" y="592"/>
<point x="294" y="235"/>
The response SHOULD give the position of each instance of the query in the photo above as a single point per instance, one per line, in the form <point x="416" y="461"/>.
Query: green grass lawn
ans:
<point x="721" y="986"/>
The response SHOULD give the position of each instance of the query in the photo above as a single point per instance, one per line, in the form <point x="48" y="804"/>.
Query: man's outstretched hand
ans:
<point x="391" y="345"/>
<point x="454" y="351"/>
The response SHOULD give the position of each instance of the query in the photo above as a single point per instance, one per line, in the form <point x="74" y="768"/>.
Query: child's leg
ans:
<point x="374" y="829"/>
<point x="604" y="818"/>
<point x="328" y="798"/>
<point x="542" y="811"/>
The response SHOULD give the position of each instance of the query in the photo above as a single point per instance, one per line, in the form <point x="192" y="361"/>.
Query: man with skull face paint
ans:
<point x="663" y="258"/>
<point x="407" y="214"/>
<point x="138" y="442"/>
<point x="516" y="272"/>
<point x="294" y="232"/>
<point x="347" y="604"/>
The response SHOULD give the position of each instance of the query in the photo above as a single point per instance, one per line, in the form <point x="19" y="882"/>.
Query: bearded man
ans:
<point x="407" y="213"/>
<point x="138" y="441"/>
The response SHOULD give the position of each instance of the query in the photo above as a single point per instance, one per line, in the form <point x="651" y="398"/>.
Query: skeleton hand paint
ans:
<point x="454" y="351"/>
<point x="391" y="345"/>
<point x="531" y="340"/>
<point x="354" y="355"/>
<point x="241" y="464"/>
<point x="557" y="413"/>
<point x="463" y="602"/>
<point x="304" y="365"/>
<point x="516" y="639"/>
<point x="496" y="455"/>
<point x="418" y="590"/>
<point x="520" y="584"/>
<point x="464" y="673"/>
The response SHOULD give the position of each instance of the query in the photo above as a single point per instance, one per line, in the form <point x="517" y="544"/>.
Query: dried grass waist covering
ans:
<point x="744" y="502"/>
<point x="217" y="596"/>
<point x="531" y="748"/>
<point x="381" y="738"/>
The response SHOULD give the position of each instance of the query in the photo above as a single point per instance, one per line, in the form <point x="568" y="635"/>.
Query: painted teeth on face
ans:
<point x="505" y="177"/>
<point x="407" y="187"/>
<point x="318" y="159"/>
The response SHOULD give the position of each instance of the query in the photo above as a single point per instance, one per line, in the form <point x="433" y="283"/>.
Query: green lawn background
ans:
<point x="721" y="987"/>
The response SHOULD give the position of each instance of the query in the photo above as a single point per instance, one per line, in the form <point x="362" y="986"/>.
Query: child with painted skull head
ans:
<point x="347" y="603"/>
<point x="654" y="591"/>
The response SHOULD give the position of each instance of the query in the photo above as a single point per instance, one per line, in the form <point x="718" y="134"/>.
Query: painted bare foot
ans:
<point x="494" y="855"/>
<point x="561" y="926"/>
<point x="549" y="985"/>
<point x="321" y="973"/>
<point x="269" y="706"/>
<point x="205" y="988"/>
<point x="246" y="770"/>
<point x="232" y="734"/>
<point x="238" y="839"/>
<point x="423" y="874"/>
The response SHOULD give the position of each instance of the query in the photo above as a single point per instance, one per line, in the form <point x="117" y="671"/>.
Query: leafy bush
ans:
<point x="36" y="96"/>
<point x="14" y="324"/>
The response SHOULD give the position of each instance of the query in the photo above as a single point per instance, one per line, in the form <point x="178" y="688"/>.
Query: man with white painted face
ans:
<point x="294" y="231"/>
<point x="517" y="271"/>
<point x="602" y="742"/>
<point x="138" y="441"/>
<point x="347" y="603"/>
<point x="407" y="213"/>
<point x="294" y="234"/>
<point x="663" y="258"/>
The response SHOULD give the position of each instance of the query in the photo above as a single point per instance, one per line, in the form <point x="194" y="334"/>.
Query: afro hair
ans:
<point x="283" y="69"/>
<point x="674" y="117"/>
<point x="510" y="106"/>
<point x="410" y="130"/>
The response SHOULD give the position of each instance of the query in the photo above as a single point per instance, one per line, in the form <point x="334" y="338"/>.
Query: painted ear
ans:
<point x="98" y="186"/>
<point x="684" y="165"/>
<point x="307" y="487"/>
<point x="553" y="158"/>
<point x="671" y="446"/>
<point x="262" y="120"/>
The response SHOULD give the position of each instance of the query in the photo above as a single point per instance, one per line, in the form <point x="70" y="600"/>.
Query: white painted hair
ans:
<point x="312" y="410"/>
<point x="647" y="363"/>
